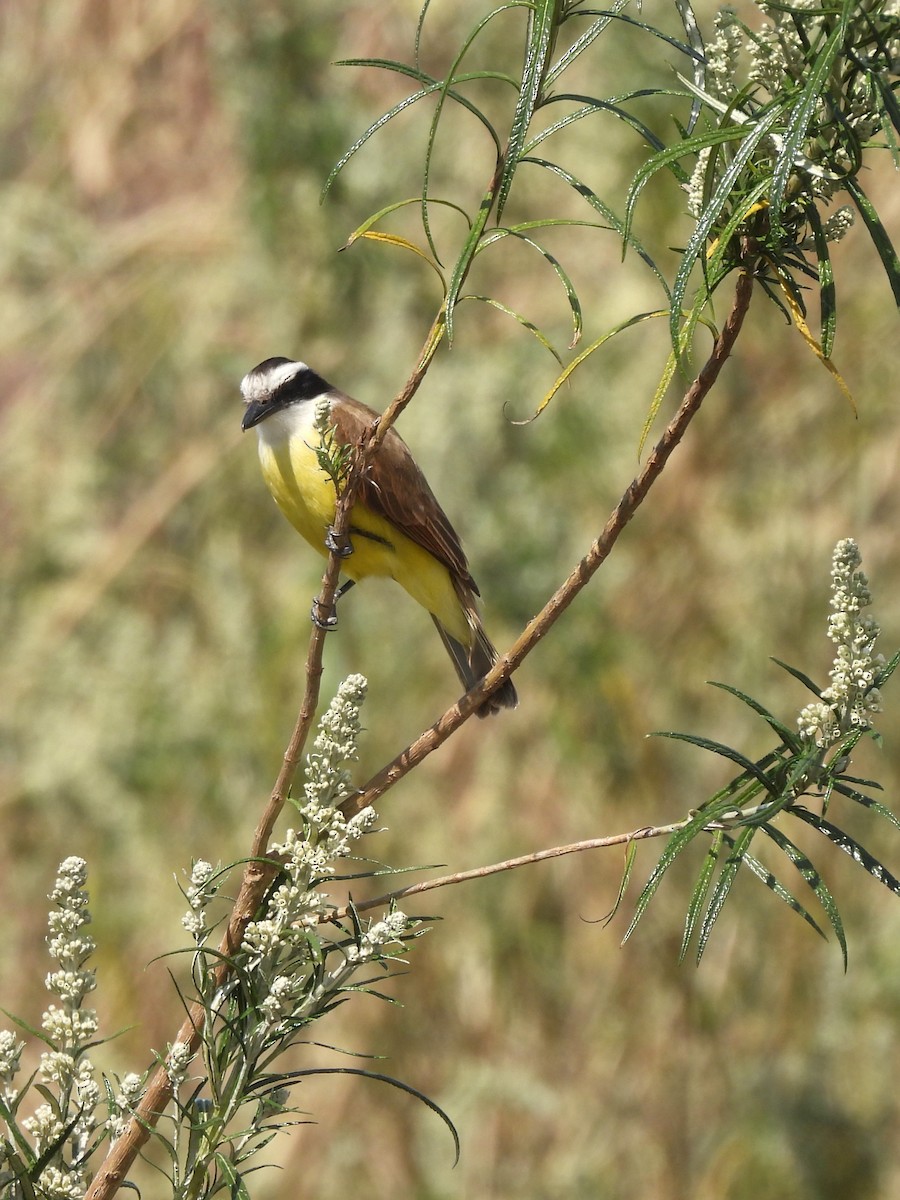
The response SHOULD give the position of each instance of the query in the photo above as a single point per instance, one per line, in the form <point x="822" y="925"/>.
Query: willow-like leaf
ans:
<point x="695" y="40"/>
<point x="449" y="80"/>
<point x="850" y="846"/>
<point x="622" y="17"/>
<point x="517" y="231"/>
<point x="237" y="1189"/>
<point x="797" y="130"/>
<point x="579" y="359"/>
<point x="777" y="888"/>
<point x="523" y="321"/>
<point x="614" y="106"/>
<point x="841" y="787"/>
<point x="402" y="243"/>
<point x="827" y="305"/>
<point x="596" y="203"/>
<point x="798" y="675"/>
<point x="464" y="261"/>
<point x="586" y="39"/>
<point x="877" y="233"/>
<point x="668" y="372"/>
<point x="888" y="669"/>
<point x="672" y="154"/>
<point x="891" y="110"/>
<point x="630" y="857"/>
<point x="543" y="16"/>
<point x="724" y="883"/>
<point x="813" y="880"/>
<point x="747" y="765"/>
<point x="592" y="104"/>
<point x="297" y="1076"/>
<point x="429" y="87"/>
<point x="788" y="736"/>
<point x="700" y="892"/>
<point x="679" y="840"/>
<point x="713" y="211"/>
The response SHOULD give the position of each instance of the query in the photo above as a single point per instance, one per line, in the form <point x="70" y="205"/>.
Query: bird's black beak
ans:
<point x="257" y="410"/>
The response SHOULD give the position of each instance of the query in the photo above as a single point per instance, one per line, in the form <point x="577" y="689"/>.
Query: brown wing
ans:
<point x="396" y="489"/>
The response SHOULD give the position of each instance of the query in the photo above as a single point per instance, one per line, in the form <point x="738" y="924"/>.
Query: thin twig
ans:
<point x="509" y="864"/>
<point x="537" y="628"/>
<point x="261" y="871"/>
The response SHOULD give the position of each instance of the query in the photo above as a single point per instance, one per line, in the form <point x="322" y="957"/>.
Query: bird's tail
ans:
<point x="473" y="662"/>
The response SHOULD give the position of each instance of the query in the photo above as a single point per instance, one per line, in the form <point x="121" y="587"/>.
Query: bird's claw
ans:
<point x="341" y="546"/>
<point x="327" y="623"/>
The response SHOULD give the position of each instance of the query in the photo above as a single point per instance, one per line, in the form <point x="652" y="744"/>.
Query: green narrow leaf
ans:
<point x="581" y="43"/>
<point x="869" y="802"/>
<point x="711" y="214"/>
<point x="680" y="839"/>
<point x="888" y="669"/>
<point x="698" y="52"/>
<point x="735" y="756"/>
<point x="724" y="883"/>
<point x="428" y="88"/>
<point x="778" y="889"/>
<point x="630" y="857"/>
<point x="850" y="846"/>
<point x="464" y="262"/>
<point x="787" y="735"/>
<point x="700" y="892"/>
<point x="877" y="233"/>
<point x="670" y="155"/>
<point x="796" y="132"/>
<point x="596" y="203"/>
<point x="523" y="321"/>
<point x="542" y="26"/>
<point x="804" y="679"/>
<point x="827" y="305"/>
<point x="813" y="879"/>
<point x="446" y="90"/>
<point x="591" y="104"/>
<point x="561" y="273"/>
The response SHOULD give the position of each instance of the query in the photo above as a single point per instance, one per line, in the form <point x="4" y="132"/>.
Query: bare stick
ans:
<point x="536" y="629"/>
<point x="260" y="870"/>
<point x="508" y="864"/>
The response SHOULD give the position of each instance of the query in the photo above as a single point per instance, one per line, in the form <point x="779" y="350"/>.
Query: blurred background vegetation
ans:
<point x="160" y="233"/>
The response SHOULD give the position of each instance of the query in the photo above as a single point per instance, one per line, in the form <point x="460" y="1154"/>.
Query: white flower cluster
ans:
<point x="68" y="1027"/>
<point x="722" y="54"/>
<point x="278" y="942"/>
<point x="124" y="1103"/>
<point x="390" y="929"/>
<point x="177" y="1061"/>
<point x="852" y="698"/>
<point x="10" y="1053"/>
<point x="778" y="62"/>
<point x="199" y="893"/>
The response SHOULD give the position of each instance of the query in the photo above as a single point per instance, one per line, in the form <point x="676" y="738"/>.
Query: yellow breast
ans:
<point x="306" y="496"/>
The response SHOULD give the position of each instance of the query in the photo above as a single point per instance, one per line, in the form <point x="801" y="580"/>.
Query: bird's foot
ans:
<point x="341" y="546"/>
<point x="330" y="621"/>
<point x="327" y="622"/>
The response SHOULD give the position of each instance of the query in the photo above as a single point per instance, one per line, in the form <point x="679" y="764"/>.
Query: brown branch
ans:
<point x="509" y="864"/>
<point x="260" y="870"/>
<point x="536" y="629"/>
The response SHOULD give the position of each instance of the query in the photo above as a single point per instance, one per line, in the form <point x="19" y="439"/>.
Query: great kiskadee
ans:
<point x="397" y="527"/>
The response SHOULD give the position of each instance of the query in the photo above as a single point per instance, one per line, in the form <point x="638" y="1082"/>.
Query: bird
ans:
<point x="397" y="528"/>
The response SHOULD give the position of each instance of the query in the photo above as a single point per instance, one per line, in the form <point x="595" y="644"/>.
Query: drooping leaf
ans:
<point x="813" y="879"/>
<point x="739" y="847"/>
<point x="850" y="846"/>
<point x="700" y="892"/>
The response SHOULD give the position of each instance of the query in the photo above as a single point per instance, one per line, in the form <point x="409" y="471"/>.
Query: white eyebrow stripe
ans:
<point x="257" y="386"/>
